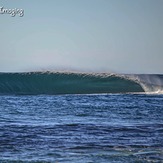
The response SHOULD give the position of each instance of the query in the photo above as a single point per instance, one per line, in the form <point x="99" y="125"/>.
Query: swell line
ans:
<point x="69" y="83"/>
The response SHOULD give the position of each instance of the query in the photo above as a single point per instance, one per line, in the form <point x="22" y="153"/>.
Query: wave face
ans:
<point x="65" y="83"/>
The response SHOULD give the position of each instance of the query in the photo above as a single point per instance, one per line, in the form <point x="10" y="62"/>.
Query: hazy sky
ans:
<point x="123" y="36"/>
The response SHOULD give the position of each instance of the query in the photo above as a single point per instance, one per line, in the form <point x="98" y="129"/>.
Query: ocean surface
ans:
<point x="81" y="118"/>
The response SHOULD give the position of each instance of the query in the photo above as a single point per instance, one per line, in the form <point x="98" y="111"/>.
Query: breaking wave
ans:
<point x="73" y="83"/>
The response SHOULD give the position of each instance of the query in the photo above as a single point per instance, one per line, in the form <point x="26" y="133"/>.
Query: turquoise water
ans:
<point x="37" y="83"/>
<point x="81" y="128"/>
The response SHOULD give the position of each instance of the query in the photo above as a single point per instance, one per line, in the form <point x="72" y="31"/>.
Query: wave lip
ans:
<point x="151" y="83"/>
<point x="67" y="83"/>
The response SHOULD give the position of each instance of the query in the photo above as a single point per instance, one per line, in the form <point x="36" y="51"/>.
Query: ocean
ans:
<point x="81" y="118"/>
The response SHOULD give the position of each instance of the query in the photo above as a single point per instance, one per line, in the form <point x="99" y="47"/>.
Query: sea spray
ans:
<point x="151" y="83"/>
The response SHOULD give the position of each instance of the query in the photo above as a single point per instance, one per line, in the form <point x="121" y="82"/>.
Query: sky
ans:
<point x="119" y="36"/>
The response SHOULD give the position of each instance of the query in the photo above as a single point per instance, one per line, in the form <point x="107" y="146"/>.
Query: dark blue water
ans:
<point x="104" y="128"/>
